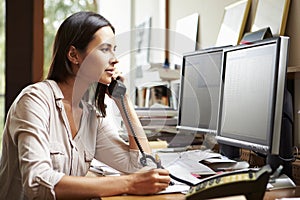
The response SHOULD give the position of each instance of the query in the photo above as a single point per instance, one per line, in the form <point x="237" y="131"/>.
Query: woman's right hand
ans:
<point x="148" y="181"/>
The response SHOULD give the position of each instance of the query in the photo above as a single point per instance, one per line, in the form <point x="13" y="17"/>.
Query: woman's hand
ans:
<point x="149" y="181"/>
<point x="118" y="75"/>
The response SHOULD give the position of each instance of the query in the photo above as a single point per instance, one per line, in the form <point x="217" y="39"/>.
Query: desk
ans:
<point x="269" y="195"/>
<point x="272" y="195"/>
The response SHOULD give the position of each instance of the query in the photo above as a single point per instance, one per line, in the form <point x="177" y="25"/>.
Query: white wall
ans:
<point x="210" y="17"/>
<point x="156" y="10"/>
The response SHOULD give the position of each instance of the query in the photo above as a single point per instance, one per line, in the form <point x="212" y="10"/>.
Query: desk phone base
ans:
<point x="250" y="183"/>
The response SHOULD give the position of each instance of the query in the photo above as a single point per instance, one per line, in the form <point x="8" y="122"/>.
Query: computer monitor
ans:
<point x="252" y="98"/>
<point x="199" y="91"/>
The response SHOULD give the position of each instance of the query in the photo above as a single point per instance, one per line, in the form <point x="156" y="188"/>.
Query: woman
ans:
<point x="51" y="135"/>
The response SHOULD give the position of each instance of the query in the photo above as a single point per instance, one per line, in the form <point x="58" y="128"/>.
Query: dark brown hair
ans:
<point x="77" y="30"/>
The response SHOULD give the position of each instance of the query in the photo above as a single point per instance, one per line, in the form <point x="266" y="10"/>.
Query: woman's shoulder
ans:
<point x="37" y="85"/>
<point x="35" y="95"/>
<point x="40" y="90"/>
<point x="46" y="86"/>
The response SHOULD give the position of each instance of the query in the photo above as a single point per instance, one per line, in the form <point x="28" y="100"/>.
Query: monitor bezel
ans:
<point x="272" y="144"/>
<point x="184" y="128"/>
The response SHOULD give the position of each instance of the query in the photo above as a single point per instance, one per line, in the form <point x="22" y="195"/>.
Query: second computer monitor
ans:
<point x="199" y="91"/>
<point x="253" y="96"/>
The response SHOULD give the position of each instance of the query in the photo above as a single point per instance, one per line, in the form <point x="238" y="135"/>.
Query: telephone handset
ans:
<point x="117" y="89"/>
<point x="251" y="183"/>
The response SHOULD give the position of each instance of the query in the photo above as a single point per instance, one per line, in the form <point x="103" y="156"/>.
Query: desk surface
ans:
<point x="269" y="195"/>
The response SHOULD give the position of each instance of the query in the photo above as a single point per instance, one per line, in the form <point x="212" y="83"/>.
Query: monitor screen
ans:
<point x="251" y="102"/>
<point x="199" y="91"/>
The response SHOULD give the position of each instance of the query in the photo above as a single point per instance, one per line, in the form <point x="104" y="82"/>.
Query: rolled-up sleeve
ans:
<point x="30" y="133"/>
<point x="112" y="150"/>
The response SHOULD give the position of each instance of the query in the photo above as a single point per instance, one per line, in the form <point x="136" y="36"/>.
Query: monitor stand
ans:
<point x="275" y="161"/>
<point x="278" y="181"/>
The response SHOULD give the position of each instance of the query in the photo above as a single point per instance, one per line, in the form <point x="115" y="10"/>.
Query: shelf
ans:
<point x="293" y="72"/>
<point x="293" y="69"/>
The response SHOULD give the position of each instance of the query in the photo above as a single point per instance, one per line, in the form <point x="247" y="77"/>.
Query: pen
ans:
<point x="158" y="163"/>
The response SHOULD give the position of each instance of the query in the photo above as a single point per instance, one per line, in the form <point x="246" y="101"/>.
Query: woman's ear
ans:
<point x="73" y="55"/>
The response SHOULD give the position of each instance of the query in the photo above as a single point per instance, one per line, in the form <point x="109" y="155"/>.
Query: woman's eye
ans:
<point x="105" y="50"/>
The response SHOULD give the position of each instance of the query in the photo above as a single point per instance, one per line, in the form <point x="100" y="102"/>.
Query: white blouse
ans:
<point x="38" y="148"/>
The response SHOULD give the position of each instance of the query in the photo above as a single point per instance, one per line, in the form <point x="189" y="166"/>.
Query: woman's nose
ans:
<point x="114" y="60"/>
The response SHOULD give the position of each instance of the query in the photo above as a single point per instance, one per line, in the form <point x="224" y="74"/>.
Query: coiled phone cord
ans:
<point x="144" y="157"/>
